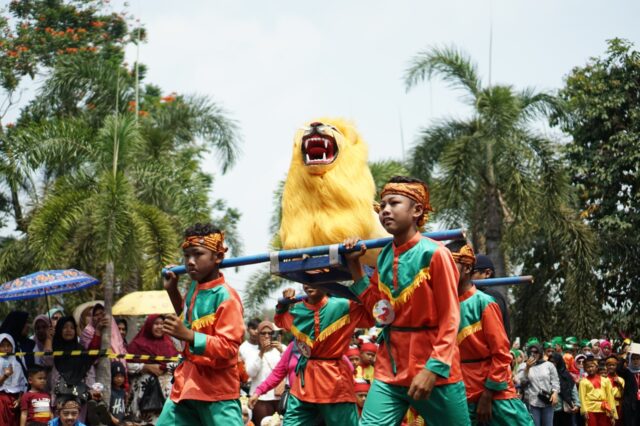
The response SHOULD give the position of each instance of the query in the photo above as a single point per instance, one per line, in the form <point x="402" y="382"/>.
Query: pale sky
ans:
<point x="276" y="64"/>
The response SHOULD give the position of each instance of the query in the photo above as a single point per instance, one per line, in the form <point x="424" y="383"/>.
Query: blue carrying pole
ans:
<point x="526" y="279"/>
<point x="452" y="234"/>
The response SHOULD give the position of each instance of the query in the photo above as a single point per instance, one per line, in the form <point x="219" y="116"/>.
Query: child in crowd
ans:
<point x="367" y="359"/>
<point x="617" y="383"/>
<point x="361" y="388"/>
<point x="597" y="403"/>
<point x="68" y="412"/>
<point x="354" y="358"/>
<point x="117" y="406"/>
<point x="36" y="403"/>
<point x="97" y="410"/>
<point x="12" y="382"/>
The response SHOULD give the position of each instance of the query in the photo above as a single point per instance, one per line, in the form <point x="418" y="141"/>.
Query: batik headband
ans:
<point x="465" y="255"/>
<point x="213" y="242"/>
<point x="415" y="191"/>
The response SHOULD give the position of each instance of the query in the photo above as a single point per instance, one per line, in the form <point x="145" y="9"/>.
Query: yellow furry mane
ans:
<point x="324" y="204"/>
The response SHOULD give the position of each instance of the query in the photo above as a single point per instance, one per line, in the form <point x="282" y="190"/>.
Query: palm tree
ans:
<point x="495" y="174"/>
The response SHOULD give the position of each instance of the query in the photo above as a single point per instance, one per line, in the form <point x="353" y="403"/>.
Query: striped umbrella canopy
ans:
<point x="46" y="283"/>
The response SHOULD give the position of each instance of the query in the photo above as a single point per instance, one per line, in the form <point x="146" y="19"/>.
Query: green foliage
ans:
<point x="601" y="112"/>
<point x="106" y="179"/>
<point x="37" y="33"/>
<point x="505" y="182"/>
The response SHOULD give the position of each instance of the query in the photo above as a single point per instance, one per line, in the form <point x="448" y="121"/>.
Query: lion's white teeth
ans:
<point x="324" y="155"/>
<point x="308" y="159"/>
<point x="306" y="144"/>
<point x="326" y="144"/>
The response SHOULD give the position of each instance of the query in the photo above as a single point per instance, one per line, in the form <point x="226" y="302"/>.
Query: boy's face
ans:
<point x="253" y="335"/>
<point x="361" y="397"/>
<point x="118" y="380"/>
<point x="355" y="360"/>
<point x="612" y="365"/>
<point x="38" y="381"/>
<point x="591" y="367"/>
<point x="398" y="213"/>
<point x="481" y="274"/>
<point x="200" y="262"/>
<point x="368" y="358"/>
<point x="69" y="414"/>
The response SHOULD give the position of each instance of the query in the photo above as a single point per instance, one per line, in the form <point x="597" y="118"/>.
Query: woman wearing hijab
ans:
<point x="16" y="324"/>
<point x="69" y="372"/>
<point x="542" y="385"/>
<point x="12" y="382"/>
<point x="568" y="402"/>
<point x="150" y="340"/>
<point x="41" y="327"/>
<point x="91" y="335"/>
<point x="54" y="314"/>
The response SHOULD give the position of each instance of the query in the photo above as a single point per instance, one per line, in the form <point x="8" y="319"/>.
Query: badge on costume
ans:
<point x="304" y="349"/>
<point x="383" y="312"/>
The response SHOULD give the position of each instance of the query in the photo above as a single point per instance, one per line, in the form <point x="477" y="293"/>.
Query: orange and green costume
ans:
<point x="413" y="294"/>
<point x="325" y="382"/>
<point x="486" y="360"/>
<point x="206" y="384"/>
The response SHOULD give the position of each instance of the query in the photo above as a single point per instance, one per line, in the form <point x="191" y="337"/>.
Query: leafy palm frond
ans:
<point x="453" y="65"/>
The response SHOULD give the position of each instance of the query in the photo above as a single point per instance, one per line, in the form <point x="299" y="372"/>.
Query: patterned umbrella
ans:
<point x="45" y="283"/>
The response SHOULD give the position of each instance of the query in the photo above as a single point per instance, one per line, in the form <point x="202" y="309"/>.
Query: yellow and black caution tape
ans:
<point x="97" y="353"/>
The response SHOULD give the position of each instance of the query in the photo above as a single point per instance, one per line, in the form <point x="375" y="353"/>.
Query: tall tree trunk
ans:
<point x="493" y="237"/>
<point x="103" y="371"/>
<point x="17" y="209"/>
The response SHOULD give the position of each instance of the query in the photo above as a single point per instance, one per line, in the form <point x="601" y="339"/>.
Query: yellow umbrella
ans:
<point x="144" y="303"/>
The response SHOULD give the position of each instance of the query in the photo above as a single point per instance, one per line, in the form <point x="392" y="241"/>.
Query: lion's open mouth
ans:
<point x="319" y="149"/>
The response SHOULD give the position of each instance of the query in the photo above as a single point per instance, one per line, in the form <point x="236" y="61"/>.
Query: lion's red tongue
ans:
<point x="319" y="149"/>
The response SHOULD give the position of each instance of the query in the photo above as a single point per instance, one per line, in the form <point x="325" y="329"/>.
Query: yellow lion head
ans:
<point x="329" y="191"/>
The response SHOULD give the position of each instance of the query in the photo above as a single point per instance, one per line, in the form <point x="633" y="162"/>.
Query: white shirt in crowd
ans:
<point x="259" y="369"/>
<point x="248" y="350"/>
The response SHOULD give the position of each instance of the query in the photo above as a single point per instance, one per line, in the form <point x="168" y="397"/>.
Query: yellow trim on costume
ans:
<point x="335" y="326"/>
<point x="406" y="293"/>
<point x="301" y="336"/>
<point x="203" y="322"/>
<point x="468" y="331"/>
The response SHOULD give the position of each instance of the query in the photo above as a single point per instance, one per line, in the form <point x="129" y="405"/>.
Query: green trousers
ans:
<point x="504" y="412"/>
<point x="300" y="413"/>
<point x="387" y="405"/>
<point x="193" y="413"/>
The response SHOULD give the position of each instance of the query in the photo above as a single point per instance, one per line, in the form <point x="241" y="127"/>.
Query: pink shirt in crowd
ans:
<point x="286" y="367"/>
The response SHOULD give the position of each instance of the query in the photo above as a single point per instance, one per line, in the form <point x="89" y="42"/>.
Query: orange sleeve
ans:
<point x="366" y="289"/>
<point x="360" y="315"/>
<point x="228" y="332"/>
<point x="444" y="284"/>
<point x="283" y="319"/>
<point x="498" y="344"/>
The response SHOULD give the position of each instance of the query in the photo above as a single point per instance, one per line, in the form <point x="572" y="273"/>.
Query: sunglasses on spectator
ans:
<point x="266" y="333"/>
<point x="533" y="352"/>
